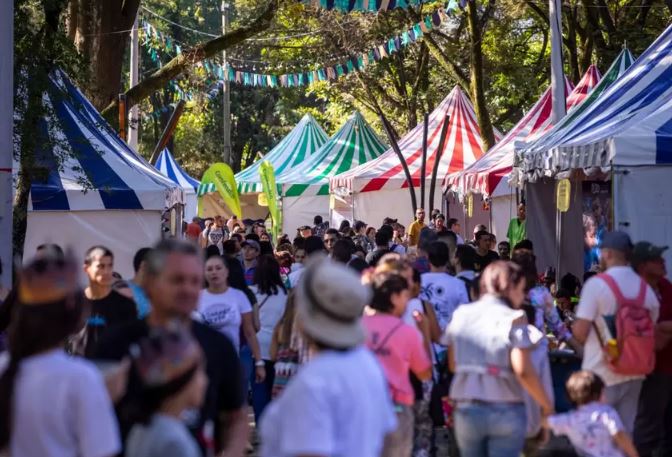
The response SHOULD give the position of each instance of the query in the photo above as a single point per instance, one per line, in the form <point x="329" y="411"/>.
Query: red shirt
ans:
<point x="193" y="231"/>
<point x="664" y="356"/>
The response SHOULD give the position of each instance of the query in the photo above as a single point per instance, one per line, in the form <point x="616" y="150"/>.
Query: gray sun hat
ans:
<point x="330" y="302"/>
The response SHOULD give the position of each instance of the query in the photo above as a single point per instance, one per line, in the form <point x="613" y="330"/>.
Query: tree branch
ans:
<point x="449" y="65"/>
<point x="196" y="54"/>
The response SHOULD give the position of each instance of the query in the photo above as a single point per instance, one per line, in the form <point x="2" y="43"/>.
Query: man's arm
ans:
<point x="581" y="330"/>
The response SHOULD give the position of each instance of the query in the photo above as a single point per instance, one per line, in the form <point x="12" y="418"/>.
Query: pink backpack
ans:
<point x="635" y="333"/>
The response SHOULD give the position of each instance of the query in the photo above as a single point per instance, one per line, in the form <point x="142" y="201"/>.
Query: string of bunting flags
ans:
<point x="307" y="77"/>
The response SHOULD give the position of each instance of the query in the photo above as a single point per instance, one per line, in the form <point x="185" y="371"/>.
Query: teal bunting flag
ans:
<point x="356" y="63"/>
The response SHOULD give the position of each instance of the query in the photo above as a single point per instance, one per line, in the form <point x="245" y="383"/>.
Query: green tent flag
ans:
<point x="221" y="175"/>
<point x="267" y="175"/>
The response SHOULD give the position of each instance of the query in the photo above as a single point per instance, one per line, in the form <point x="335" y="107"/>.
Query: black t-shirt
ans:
<point x="225" y="376"/>
<point x="482" y="261"/>
<point x="112" y="310"/>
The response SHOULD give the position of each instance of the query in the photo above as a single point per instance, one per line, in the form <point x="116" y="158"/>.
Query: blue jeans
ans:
<point x="247" y="364"/>
<point x="490" y="429"/>
<point x="261" y="391"/>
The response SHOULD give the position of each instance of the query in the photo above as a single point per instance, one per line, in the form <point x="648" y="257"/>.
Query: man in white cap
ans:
<point x="338" y="403"/>
<point x="600" y="299"/>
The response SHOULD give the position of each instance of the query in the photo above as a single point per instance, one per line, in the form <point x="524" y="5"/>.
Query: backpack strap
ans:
<point x="611" y="283"/>
<point x="641" y="298"/>
<point x="613" y="286"/>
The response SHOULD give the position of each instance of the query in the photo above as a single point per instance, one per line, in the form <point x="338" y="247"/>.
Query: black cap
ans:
<point x="645" y="251"/>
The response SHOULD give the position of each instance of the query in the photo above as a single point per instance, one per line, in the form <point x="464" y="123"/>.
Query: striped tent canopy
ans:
<point x="592" y="138"/>
<point x="354" y="144"/>
<point x="168" y="167"/>
<point x="299" y="145"/>
<point x="484" y="175"/>
<point x="622" y="62"/>
<point x="89" y="166"/>
<point x="463" y="146"/>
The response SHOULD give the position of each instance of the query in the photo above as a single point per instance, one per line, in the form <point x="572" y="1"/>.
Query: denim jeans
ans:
<point x="247" y="364"/>
<point x="490" y="429"/>
<point x="261" y="391"/>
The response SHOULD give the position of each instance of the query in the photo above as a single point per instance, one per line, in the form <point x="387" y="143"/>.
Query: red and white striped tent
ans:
<point x="488" y="176"/>
<point x="379" y="188"/>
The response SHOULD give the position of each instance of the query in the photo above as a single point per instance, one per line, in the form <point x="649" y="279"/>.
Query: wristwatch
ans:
<point x="259" y="363"/>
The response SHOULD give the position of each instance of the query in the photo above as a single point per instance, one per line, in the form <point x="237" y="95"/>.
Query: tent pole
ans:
<point x="423" y="164"/>
<point x="168" y="131"/>
<point x="437" y="160"/>
<point x="402" y="160"/>
<point x="6" y="147"/>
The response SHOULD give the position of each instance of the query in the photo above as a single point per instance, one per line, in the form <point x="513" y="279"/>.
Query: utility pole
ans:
<point x="226" y="99"/>
<point x="134" y="119"/>
<point x="6" y="143"/>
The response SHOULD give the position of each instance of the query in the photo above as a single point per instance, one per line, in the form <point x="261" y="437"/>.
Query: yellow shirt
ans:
<point x="414" y="232"/>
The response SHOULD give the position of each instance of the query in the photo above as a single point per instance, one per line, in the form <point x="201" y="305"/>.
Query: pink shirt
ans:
<point x="399" y="349"/>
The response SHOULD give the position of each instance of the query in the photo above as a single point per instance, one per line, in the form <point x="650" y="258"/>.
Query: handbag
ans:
<point x="286" y="366"/>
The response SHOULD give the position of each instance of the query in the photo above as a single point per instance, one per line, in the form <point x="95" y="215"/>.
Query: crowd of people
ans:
<point x="349" y="341"/>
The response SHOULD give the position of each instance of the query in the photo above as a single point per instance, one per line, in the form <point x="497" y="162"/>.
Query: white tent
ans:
<point x="168" y="167"/>
<point x="97" y="190"/>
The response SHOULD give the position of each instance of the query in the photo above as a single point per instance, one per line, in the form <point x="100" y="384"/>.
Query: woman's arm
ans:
<point x="274" y="343"/>
<point x="434" y="329"/>
<point x="251" y="337"/>
<point x="529" y="379"/>
<point x="623" y="441"/>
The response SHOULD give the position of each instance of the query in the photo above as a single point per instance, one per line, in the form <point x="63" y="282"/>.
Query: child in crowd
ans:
<point x="594" y="428"/>
<point x="170" y="367"/>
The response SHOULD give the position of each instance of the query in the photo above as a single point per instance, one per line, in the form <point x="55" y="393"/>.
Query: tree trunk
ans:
<point x="31" y="70"/>
<point x="101" y="36"/>
<point x="477" y="87"/>
<point x="190" y="57"/>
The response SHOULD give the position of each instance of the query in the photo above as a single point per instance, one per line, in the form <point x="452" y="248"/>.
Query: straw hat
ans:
<point x="330" y="301"/>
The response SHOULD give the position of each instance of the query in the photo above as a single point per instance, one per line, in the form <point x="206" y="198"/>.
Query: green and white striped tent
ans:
<point x="299" y="145"/>
<point x="305" y="189"/>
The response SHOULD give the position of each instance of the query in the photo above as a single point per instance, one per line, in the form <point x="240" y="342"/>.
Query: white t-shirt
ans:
<point x="271" y="308"/>
<point x="294" y="277"/>
<point x="597" y="300"/>
<point x="61" y="408"/>
<point x="445" y="293"/>
<point x="223" y="312"/>
<point x="338" y="405"/>
<point x="591" y="429"/>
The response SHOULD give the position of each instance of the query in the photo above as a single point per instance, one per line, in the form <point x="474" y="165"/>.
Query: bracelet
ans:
<point x="259" y="363"/>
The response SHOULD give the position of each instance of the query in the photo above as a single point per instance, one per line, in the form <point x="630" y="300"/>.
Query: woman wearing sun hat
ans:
<point x="338" y="404"/>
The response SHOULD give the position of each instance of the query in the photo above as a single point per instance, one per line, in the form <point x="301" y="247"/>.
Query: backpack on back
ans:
<point x="634" y="351"/>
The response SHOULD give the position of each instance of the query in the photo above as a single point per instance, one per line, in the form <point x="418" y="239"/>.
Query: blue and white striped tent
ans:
<point x="90" y="167"/>
<point x="598" y="136"/>
<point x="96" y="189"/>
<point x="168" y="167"/>
<point x="624" y="136"/>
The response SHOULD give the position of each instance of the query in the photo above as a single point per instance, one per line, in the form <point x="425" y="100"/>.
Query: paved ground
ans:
<point x="442" y="440"/>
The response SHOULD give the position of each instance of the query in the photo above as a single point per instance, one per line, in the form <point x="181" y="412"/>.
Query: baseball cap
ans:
<point x="251" y="243"/>
<point x="618" y="241"/>
<point x="645" y="251"/>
